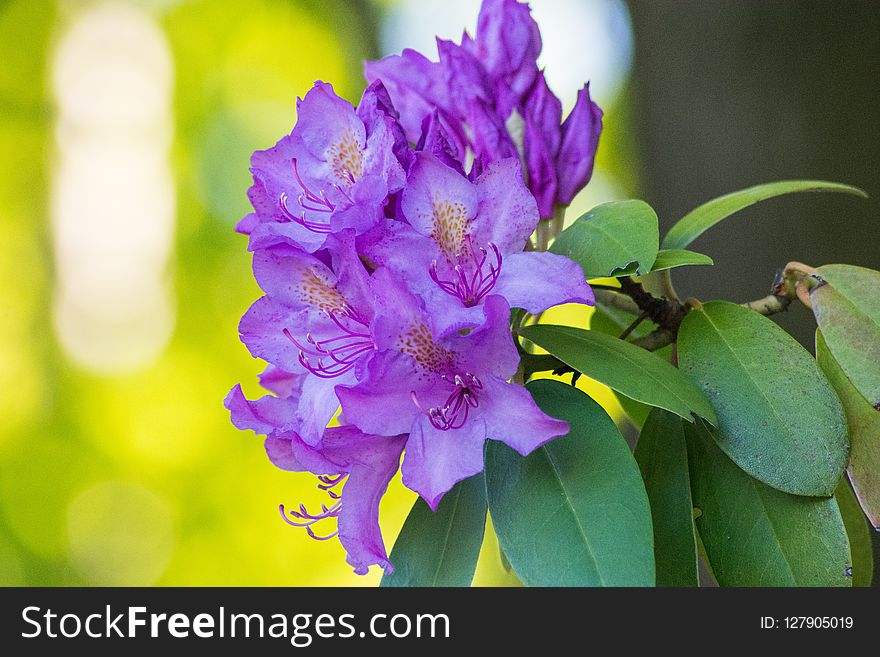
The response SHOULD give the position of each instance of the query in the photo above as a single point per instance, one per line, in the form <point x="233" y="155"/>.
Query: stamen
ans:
<point x="471" y="288"/>
<point x="313" y="226"/>
<point x="343" y="351"/>
<point x="308" y="201"/>
<point x="303" y="518"/>
<point x="454" y="412"/>
<point x="328" y="483"/>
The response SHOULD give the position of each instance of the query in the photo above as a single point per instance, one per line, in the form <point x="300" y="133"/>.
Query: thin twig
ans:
<point x="769" y="305"/>
<point x="631" y="297"/>
<point x="656" y="339"/>
<point x="542" y="235"/>
<point x="665" y="313"/>
<point x="549" y="228"/>
<point x="632" y="327"/>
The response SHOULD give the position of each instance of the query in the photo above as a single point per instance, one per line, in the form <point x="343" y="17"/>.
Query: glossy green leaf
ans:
<point x="859" y="535"/>
<point x="779" y="418"/>
<point x="613" y="322"/>
<point x="441" y="548"/>
<point x="608" y="321"/>
<point x="636" y="412"/>
<point x="698" y="221"/>
<point x="755" y="535"/>
<point x="662" y="457"/>
<point x="628" y="369"/>
<point x="858" y="284"/>
<point x="613" y="239"/>
<point x="847" y="309"/>
<point x="505" y="562"/>
<point x="864" y="434"/>
<point x="670" y="258"/>
<point x="574" y="512"/>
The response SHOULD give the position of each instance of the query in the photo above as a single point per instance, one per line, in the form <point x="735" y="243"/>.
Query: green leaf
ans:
<point x="670" y="258"/>
<point x="662" y="457"/>
<point x="698" y="221"/>
<point x="778" y="417"/>
<point x="574" y="512"/>
<point x="858" y="533"/>
<point x="613" y="239"/>
<point x="755" y="535"/>
<point x="864" y="434"/>
<point x="636" y="412"/>
<point x="441" y="548"/>
<point x="610" y="322"/>
<point x="505" y="562"/>
<point x="628" y="369"/>
<point x="858" y="284"/>
<point x="847" y="309"/>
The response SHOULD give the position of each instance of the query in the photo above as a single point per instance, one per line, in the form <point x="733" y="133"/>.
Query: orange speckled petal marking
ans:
<point x="451" y="226"/>
<point x="418" y="343"/>
<point x="346" y="158"/>
<point x="316" y="290"/>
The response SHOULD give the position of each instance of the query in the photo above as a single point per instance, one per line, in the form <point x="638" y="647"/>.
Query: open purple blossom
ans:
<point x="450" y="394"/>
<point x="312" y="324"/>
<point x="360" y="465"/>
<point x="493" y="101"/>
<point x="334" y="171"/>
<point x="464" y="242"/>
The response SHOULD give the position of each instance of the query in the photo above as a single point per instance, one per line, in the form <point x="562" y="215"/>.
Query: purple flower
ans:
<point x="435" y="140"/>
<point x="490" y="136"/>
<point x="417" y="87"/>
<point x="450" y="393"/>
<point x="492" y="101"/>
<point x="376" y="108"/>
<point x="580" y="139"/>
<point x="334" y="171"/>
<point x="507" y="44"/>
<point x="464" y="242"/>
<point x="542" y="137"/>
<point x="359" y="463"/>
<point x="313" y="324"/>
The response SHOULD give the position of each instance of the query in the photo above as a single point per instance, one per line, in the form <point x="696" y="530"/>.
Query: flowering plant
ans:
<point x="407" y="248"/>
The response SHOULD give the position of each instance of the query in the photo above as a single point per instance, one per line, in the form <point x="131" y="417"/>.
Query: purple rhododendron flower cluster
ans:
<point x="389" y="240"/>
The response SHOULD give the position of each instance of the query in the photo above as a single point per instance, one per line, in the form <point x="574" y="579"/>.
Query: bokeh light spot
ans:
<point x="120" y="534"/>
<point x="113" y="205"/>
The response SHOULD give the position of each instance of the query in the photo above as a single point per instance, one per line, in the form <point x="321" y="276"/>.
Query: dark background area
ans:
<point x="731" y="94"/>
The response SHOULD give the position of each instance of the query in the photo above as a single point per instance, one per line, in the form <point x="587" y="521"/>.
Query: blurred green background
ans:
<point x="126" y="128"/>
